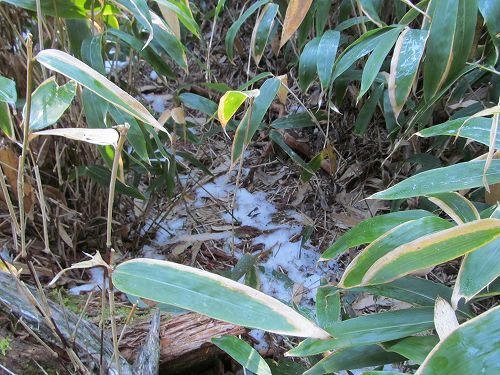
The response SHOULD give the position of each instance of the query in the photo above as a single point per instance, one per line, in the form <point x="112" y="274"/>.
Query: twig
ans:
<point x="22" y="160"/>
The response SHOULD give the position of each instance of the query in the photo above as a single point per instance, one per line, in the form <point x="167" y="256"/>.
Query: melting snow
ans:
<point x="300" y="265"/>
<point x="157" y="102"/>
<point x="108" y="64"/>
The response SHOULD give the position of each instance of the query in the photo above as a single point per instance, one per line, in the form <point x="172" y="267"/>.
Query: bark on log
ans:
<point x="179" y="335"/>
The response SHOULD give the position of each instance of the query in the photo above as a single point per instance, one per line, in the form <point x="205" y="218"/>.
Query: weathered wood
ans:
<point x="179" y="335"/>
<point x="148" y="360"/>
<point x="86" y="342"/>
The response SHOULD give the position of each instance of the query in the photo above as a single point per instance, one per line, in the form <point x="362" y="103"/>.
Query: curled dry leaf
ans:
<point x="103" y="137"/>
<point x="283" y="90"/>
<point x="178" y="115"/>
<point x="445" y="319"/>
<point x="172" y="19"/>
<point x="95" y="261"/>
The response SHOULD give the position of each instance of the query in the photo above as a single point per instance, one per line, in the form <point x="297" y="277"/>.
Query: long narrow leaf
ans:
<point x="441" y="180"/>
<point x="432" y="250"/>
<point x="370" y="229"/>
<point x="73" y="68"/>
<point x="206" y="293"/>
<point x="471" y="349"/>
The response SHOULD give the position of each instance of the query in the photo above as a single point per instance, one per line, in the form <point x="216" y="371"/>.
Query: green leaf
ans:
<point x="464" y="35"/>
<point x="307" y="64"/>
<point x="102" y="176"/>
<point x="141" y="12"/>
<point x="6" y="120"/>
<point x="475" y="128"/>
<point x="413" y="13"/>
<point x="376" y="59"/>
<point x="439" y="54"/>
<point x="327" y="306"/>
<point x="206" y="293"/>
<point x="368" y="8"/>
<point x="385" y="244"/>
<point x="254" y="80"/>
<point x="325" y="58"/>
<point x="353" y="358"/>
<point x="369" y="329"/>
<point x="361" y="47"/>
<point x="479" y="269"/>
<point x="198" y="103"/>
<point x="295" y="121"/>
<point x="471" y="349"/>
<point x="278" y="139"/>
<point x="218" y="8"/>
<point x="351" y="22"/>
<point x="95" y="109"/>
<point x="490" y="10"/>
<point x="414" y="290"/>
<point x="254" y="116"/>
<point x="322" y="13"/>
<point x="371" y="229"/>
<point x="460" y="209"/>
<point x="148" y="53"/>
<point x="491" y="290"/>
<point x="59" y="8"/>
<point x="91" y="52"/>
<point x="243" y="353"/>
<point x="441" y="180"/>
<point x="262" y="31"/>
<point x="134" y="135"/>
<point x="368" y="110"/>
<point x="183" y="12"/>
<point x="73" y="68"/>
<point x="165" y="40"/>
<point x="235" y="27"/>
<point x="7" y="90"/>
<point x="432" y="250"/>
<point x="78" y="31"/>
<point x="415" y="348"/>
<point x="229" y="104"/>
<point x="404" y="66"/>
<point x="286" y="367"/>
<point x="424" y="108"/>
<point x="48" y="103"/>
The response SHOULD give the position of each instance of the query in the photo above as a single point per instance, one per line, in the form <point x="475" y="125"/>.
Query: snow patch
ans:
<point x="95" y="283"/>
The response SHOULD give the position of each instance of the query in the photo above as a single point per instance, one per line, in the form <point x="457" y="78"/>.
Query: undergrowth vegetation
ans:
<point x="419" y="82"/>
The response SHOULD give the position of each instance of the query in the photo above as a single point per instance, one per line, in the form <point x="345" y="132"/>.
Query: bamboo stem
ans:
<point x="25" y="146"/>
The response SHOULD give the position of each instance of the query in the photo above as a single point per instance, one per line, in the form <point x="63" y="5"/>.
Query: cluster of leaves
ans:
<point x="400" y="243"/>
<point x="432" y="43"/>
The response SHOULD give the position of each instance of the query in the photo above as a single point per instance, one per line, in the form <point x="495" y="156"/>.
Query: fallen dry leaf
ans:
<point x="295" y="14"/>
<point x="9" y="162"/>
